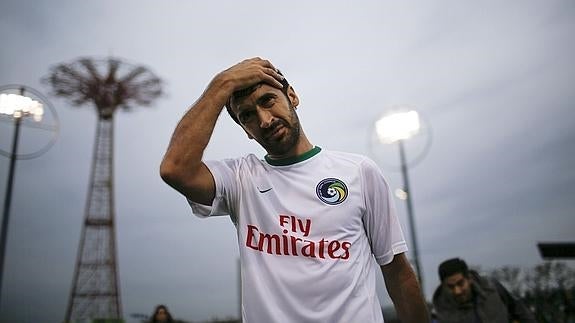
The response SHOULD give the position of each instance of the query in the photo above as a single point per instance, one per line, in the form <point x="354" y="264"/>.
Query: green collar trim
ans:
<point x="293" y="160"/>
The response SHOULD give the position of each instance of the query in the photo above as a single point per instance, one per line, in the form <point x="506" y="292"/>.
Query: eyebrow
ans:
<point x="458" y="282"/>
<point x="265" y="97"/>
<point x="259" y="101"/>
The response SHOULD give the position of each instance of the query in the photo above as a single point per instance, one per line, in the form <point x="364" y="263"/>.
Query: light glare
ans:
<point x="401" y="194"/>
<point x="397" y="126"/>
<point x="20" y="106"/>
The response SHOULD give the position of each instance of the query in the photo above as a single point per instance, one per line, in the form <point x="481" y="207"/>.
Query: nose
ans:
<point x="265" y="117"/>
<point x="457" y="291"/>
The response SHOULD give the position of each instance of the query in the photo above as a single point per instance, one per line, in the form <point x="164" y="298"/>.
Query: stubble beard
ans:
<point x="289" y="141"/>
<point x="464" y="298"/>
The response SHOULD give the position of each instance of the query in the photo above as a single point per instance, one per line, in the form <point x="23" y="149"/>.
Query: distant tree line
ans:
<point x="548" y="289"/>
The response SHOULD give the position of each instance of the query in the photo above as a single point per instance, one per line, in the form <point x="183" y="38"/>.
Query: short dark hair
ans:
<point x="157" y="309"/>
<point x="249" y="90"/>
<point x="451" y="267"/>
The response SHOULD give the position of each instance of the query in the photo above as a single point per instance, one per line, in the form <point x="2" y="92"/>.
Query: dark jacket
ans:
<point x="491" y="301"/>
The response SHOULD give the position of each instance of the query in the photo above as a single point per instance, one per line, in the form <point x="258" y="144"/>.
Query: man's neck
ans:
<point x="293" y="159"/>
<point x="300" y="148"/>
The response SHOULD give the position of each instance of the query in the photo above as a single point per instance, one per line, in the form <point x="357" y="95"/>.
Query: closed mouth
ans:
<point x="276" y="132"/>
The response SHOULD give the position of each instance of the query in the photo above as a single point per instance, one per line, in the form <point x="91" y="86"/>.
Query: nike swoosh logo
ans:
<point x="263" y="191"/>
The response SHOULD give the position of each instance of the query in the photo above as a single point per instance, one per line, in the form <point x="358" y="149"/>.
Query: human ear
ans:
<point x="292" y="96"/>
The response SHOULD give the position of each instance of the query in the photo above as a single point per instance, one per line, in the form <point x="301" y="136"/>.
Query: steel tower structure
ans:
<point x="109" y="84"/>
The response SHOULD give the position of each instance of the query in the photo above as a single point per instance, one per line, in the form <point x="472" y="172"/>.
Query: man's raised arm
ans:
<point x="182" y="167"/>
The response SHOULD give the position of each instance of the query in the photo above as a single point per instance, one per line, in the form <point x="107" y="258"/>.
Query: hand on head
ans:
<point x="250" y="72"/>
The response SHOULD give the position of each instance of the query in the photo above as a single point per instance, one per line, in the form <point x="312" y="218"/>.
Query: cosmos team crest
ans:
<point x="331" y="191"/>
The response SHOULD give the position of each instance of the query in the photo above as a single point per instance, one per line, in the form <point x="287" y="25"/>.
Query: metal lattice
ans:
<point x="96" y="291"/>
<point x="108" y="84"/>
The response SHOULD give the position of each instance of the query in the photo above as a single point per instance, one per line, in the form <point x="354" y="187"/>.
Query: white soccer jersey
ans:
<point x="308" y="230"/>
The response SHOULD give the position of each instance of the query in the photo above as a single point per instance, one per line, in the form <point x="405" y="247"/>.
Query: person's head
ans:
<point x="267" y="115"/>
<point x="161" y="315"/>
<point x="247" y="91"/>
<point x="454" y="276"/>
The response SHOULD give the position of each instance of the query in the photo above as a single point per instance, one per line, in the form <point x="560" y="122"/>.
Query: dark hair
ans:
<point x="158" y="308"/>
<point x="249" y="90"/>
<point x="451" y="267"/>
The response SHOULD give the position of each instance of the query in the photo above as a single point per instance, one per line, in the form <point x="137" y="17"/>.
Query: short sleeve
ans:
<point x="224" y="173"/>
<point x="381" y="224"/>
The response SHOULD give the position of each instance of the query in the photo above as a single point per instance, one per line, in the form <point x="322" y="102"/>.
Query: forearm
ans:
<point x="182" y="166"/>
<point x="194" y="130"/>
<point x="404" y="290"/>
<point x="409" y="303"/>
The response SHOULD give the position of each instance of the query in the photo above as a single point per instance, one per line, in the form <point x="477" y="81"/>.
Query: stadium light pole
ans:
<point x="396" y="128"/>
<point x="17" y="107"/>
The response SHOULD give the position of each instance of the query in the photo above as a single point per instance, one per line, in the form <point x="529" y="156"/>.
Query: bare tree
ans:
<point x="512" y="277"/>
<point x="548" y="289"/>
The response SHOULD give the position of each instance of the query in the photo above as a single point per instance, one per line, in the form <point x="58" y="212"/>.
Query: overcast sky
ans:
<point x="493" y="79"/>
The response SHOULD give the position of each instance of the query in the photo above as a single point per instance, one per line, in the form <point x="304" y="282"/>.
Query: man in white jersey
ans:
<point x="309" y="222"/>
